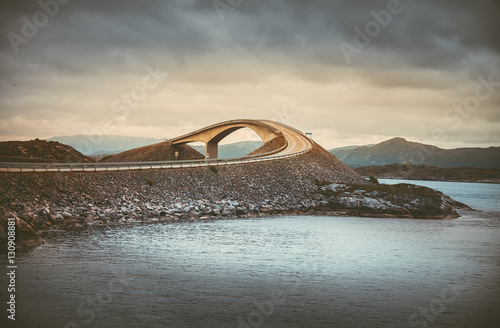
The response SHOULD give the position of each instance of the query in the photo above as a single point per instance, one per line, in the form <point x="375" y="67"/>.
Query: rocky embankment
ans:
<point x="315" y="182"/>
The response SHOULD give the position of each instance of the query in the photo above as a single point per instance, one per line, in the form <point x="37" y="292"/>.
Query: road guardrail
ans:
<point x="129" y="166"/>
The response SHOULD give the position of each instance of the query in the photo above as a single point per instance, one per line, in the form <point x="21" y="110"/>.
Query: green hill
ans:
<point x="433" y="173"/>
<point x="401" y="151"/>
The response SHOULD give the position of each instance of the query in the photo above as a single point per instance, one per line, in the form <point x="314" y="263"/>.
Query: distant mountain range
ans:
<point x="236" y="149"/>
<point x="401" y="151"/>
<point x="99" y="145"/>
<point x="103" y="145"/>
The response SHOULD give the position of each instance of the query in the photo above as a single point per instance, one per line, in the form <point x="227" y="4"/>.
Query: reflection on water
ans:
<point x="291" y="271"/>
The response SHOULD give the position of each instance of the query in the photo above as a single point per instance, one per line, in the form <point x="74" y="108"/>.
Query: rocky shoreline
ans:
<point x="439" y="179"/>
<point x="313" y="183"/>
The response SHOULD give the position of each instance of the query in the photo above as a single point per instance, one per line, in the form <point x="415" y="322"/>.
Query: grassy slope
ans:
<point x="40" y="151"/>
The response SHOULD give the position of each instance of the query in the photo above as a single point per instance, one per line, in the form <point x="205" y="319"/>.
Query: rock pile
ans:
<point x="401" y="200"/>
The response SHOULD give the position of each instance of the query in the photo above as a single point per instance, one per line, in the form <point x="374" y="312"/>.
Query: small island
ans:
<point x="313" y="183"/>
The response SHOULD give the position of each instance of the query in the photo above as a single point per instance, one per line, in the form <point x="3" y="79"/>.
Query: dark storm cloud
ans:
<point x="424" y="34"/>
<point x="90" y="27"/>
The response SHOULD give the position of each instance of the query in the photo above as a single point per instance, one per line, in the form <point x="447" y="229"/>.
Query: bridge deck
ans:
<point x="297" y="143"/>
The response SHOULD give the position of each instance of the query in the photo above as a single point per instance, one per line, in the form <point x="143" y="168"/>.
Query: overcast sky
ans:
<point x="350" y="72"/>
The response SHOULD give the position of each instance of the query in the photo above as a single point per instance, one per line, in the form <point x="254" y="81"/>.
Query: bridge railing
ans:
<point x="127" y="166"/>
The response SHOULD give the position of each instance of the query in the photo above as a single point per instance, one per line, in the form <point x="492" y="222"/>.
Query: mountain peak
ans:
<point x="400" y="151"/>
<point x="396" y="139"/>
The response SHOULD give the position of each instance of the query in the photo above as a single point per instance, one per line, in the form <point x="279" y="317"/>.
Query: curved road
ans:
<point x="297" y="143"/>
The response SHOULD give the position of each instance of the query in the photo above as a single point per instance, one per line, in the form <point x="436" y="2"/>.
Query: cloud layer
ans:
<point x="414" y="70"/>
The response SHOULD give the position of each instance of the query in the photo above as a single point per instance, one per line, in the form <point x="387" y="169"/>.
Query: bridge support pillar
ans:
<point x="212" y="149"/>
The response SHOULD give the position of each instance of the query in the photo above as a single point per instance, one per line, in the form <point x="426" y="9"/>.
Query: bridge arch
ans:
<point x="213" y="134"/>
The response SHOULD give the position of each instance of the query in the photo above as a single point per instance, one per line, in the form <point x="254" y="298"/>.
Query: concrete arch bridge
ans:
<point x="295" y="140"/>
<point x="295" y="143"/>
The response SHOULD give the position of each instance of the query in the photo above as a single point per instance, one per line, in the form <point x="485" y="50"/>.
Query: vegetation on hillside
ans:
<point x="40" y="151"/>
<point x="399" y="150"/>
<point x="424" y="172"/>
